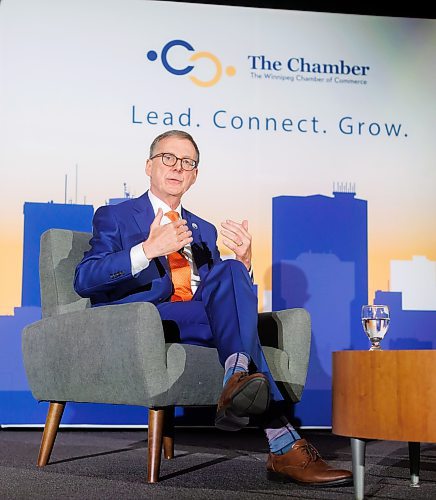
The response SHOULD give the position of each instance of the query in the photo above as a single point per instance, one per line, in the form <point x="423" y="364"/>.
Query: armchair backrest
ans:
<point x="60" y="252"/>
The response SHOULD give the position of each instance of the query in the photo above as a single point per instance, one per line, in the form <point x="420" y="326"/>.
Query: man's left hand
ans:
<point x="237" y="238"/>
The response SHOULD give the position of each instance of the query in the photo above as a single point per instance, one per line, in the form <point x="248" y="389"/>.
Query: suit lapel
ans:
<point x="144" y="214"/>
<point x="200" y="251"/>
<point x="196" y="233"/>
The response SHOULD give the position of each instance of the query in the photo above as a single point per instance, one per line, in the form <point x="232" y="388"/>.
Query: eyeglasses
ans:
<point x="170" y="160"/>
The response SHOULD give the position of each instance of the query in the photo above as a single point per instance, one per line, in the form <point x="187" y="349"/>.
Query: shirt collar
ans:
<point x="157" y="203"/>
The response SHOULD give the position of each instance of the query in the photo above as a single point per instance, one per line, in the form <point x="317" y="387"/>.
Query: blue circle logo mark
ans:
<point x="152" y="55"/>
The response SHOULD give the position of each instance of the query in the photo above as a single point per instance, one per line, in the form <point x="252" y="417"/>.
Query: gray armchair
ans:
<point x="117" y="354"/>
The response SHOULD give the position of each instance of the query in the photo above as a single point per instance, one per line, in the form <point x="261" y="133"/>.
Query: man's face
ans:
<point x="171" y="182"/>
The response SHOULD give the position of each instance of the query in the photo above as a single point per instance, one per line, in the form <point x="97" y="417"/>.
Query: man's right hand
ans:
<point x="166" y="239"/>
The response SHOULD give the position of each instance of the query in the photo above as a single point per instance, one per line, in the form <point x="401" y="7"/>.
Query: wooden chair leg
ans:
<point x="54" y="416"/>
<point x="168" y="433"/>
<point x="155" y="432"/>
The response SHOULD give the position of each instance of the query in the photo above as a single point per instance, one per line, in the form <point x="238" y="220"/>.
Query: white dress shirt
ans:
<point x="138" y="259"/>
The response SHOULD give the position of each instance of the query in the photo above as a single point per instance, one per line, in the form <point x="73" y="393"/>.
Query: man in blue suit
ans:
<point x="152" y="249"/>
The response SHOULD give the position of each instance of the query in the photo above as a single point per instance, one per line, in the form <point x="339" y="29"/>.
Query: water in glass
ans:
<point x="375" y="322"/>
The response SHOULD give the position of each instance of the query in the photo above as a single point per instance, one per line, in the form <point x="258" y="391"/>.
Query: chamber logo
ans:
<point x="152" y="55"/>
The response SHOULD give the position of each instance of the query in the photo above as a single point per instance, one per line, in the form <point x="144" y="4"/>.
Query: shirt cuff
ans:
<point x="138" y="260"/>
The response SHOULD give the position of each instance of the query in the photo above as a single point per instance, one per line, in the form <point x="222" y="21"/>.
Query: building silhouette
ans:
<point x="38" y="217"/>
<point x="320" y="262"/>
<point x="412" y="304"/>
<point x="116" y="201"/>
<point x="408" y="329"/>
<point x="416" y="279"/>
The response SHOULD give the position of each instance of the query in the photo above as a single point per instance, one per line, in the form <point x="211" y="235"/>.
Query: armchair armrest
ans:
<point x="110" y="354"/>
<point x="285" y="337"/>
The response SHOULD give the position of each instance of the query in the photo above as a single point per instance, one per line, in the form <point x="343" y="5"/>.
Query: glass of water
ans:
<point x="375" y="322"/>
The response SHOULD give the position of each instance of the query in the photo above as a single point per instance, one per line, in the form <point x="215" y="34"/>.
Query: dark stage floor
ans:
<point x="209" y="464"/>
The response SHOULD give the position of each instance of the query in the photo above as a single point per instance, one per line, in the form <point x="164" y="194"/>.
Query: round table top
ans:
<point x="385" y="395"/>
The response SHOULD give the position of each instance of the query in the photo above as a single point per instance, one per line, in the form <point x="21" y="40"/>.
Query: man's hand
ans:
<point x="166" y="239"/>
<point x="237" y="238"/>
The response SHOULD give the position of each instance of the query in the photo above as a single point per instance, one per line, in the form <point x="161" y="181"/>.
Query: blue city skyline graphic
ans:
<point x="39" y="217"/>
<point x="320" y="262"/>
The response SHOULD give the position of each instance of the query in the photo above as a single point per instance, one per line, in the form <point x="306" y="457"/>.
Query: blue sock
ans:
<point x="237" y="362"/>
<point x="281" y="440"/>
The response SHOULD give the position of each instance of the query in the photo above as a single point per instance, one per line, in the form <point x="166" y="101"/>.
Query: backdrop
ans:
<point x="287" y="108"/>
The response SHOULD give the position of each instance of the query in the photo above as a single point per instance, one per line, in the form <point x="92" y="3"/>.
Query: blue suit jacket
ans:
<point x="104" y="274"/>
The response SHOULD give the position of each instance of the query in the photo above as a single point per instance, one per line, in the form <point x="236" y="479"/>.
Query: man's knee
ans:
<point x="231" y="265"/>
<point x="231" y="271"/>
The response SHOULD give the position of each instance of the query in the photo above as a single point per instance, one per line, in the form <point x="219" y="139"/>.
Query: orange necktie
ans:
<point x="180" y="270"/>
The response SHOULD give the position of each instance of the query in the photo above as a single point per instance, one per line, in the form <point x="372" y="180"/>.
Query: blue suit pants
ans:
<point x="222" y="314"/>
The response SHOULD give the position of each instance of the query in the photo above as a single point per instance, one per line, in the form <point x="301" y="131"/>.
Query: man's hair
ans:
<point x="175" y="133"/>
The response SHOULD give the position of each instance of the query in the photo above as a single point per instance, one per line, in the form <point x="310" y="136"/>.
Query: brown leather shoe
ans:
<point x="302" y="464"/>
<point x="243" y="395"/>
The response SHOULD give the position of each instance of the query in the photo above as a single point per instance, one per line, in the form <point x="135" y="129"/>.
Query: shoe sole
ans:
<point x="283" y="478"/>
<point x="252" y="399"/>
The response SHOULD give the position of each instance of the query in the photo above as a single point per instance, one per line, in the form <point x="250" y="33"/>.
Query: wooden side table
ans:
<point x="384" y="395"/>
